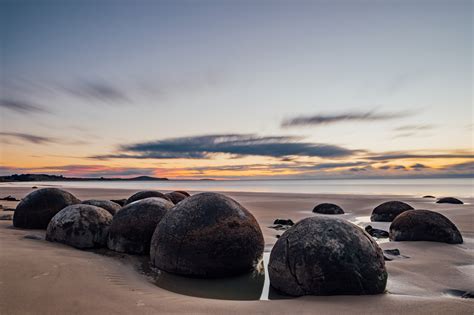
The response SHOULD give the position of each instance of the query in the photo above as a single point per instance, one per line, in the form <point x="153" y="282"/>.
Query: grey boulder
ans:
<point x="108" y="205"/>
<point x="327" y="256"/>
<point x="133" y="226"/>
<point x="387" y="211"/>
<point x="80" y="226"/>
<point x="207" y="235"/>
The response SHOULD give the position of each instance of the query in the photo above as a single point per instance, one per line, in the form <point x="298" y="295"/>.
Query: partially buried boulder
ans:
<point x="450" y="200"/>
<point x="133" y="226"/>
<point x="80" y="226"/>
<point x="376" y="232"/>
<point x="183" y="193"/>
<point x="145" y="194"/>
<point x="108" y="205"/>
<point x="207" y="235"/>
<point x="175" y="196"/>
<point x="327" y="256"/>
<point x="328" y="208"/>
<point x="38" y="207"/>
<point x="387" y="211"/>
<point x="424" y="225"/>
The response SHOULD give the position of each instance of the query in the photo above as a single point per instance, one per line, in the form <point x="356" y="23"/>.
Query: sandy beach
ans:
<point x="40" y="277"/>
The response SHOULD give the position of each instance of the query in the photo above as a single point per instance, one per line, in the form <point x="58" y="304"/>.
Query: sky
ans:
<point x="237" y="89"/>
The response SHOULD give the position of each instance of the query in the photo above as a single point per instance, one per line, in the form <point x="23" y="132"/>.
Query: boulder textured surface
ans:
<point x="80" y="226"/>
<point x="424" y="225"/>
<point x="133" y="226"/>
<point x="108" y="205"/>
<point x="175" y="196"/>
<point x="207" y="235"/>
<point x="387" y="211"/>
<point x="328" y="208"/>
<point x="145" y="194"/>
<point x="327" y="256"/>
<point x="450" y="200"/>
<point x="38" y="207"/>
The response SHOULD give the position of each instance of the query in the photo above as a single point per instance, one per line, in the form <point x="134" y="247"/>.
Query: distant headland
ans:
<point x="46" y="177"/>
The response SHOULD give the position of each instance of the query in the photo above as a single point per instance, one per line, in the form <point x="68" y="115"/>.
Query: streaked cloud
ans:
<point x="27" y="137"/>
<point x="98" y="90"/>
<point x="407" y="155"/>
<point x="21" y="106"/>
<point x="325" y="119"/>
<point x="202" y="147"/>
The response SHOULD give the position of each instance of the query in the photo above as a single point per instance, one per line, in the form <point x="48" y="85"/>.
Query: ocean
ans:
<point x="459" y="187"/>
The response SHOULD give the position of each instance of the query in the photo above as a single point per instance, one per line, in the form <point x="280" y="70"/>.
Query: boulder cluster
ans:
<point x="210" y="235"/>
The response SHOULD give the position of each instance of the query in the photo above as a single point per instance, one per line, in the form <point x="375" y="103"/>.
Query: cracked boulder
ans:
<point x="38" y="207"/>
<point x="327" y="256"/>
<point x="424" y="225"/>
<point x="145" y="194"/>
<point x="80" y="226"/>
<point x="176" y="196"/>
<point x="328" y="208"/>
<point x="387" y="211"/>
<point x="108" y="205"/>
<point x="133" y="226"/>
<point x="207" y="235"/>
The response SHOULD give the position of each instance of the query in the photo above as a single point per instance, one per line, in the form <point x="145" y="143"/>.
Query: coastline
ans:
<point x="40" y="277"/>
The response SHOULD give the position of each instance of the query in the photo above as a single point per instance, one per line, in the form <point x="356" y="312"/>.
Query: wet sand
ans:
<point x="39" y="277"/>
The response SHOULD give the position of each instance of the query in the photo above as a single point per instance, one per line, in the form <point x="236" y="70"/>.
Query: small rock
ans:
<point x="283" y="222"/>
<point x="429" y="196"/>
<point x="376" y="232"/>
<point x="9" y="198"/>
<point x="33" y="237"/>
<point x="391" y="254"/>
<point x="34" y="187"/>
<point x="328" y="208"/>
<point x="6" y="216"/>
<point x="450" y="200"/>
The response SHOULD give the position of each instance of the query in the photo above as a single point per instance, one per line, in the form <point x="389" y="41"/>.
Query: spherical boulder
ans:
<point x="108" y="205"/>
<point x="207" y="235"/>
<point x="38" y="207"/>
<point x="133" y="226"/>
<point x="80" y="226"/>
<point x="328" y="208"/>
<point x="424" y="225"/>
<point x="387" y="211"/>
<point x="145" y="194"/>
<point x="450" y="200"/>
<point x="327" y="256"/>
<point x="175" y="196"/>
<point x="183" y="193"/>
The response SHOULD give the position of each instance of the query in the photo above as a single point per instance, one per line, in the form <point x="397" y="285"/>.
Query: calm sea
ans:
<point x="460" y="187"/>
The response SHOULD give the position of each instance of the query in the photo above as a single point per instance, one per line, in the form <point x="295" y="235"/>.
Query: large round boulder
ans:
<point x="80" y="226"/>
<point x="387" y="211"/>
<point x="38" y="207"/>
<point x="108" y="205"/>
<point x="207" y="235"/>
<point x="424" y="225"/>
<point x="145" y="194"/>
<point x="133" y="226"/>
<point x="450" y="200"/>
<point x="175" y="196"/>
<point x="328" y="208"/>
<point x="327" y="256"/>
